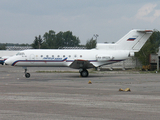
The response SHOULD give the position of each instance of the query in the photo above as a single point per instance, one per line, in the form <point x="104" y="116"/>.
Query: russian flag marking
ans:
<point x="131" y="39"/>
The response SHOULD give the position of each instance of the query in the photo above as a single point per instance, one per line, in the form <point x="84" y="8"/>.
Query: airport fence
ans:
<point x="129" y="63"/>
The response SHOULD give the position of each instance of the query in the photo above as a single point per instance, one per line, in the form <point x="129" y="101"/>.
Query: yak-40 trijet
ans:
<point x="82" y="59"/>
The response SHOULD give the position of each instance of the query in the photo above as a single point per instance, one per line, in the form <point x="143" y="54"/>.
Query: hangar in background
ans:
<point x="7" y="53"/>
<point x="10" y="51"/>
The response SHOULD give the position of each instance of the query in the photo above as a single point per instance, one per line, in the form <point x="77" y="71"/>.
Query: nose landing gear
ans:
<point x="27" y="75"/>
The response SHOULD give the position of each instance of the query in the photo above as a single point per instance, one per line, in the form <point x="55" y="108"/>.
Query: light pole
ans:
<point x="96" y="35"/>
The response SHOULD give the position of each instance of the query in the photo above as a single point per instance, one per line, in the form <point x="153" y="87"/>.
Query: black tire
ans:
<point x="84" y="73"/>
<point x="27" y="75"/>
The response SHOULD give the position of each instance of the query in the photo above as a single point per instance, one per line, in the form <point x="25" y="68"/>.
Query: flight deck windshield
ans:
<point x="19" y="53"/>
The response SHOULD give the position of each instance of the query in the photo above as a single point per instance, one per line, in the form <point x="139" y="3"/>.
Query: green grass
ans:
<point x="56" y="71"/>
<point x="128" y="71"/>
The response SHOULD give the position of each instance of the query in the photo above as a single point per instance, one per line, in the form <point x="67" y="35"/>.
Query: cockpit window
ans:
<point x="20" y="53"/>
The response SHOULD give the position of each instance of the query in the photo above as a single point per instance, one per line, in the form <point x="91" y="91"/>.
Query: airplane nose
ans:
<point x="8" y="62"/>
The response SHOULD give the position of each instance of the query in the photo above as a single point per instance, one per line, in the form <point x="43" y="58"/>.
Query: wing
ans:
<point x="81" y="64"/>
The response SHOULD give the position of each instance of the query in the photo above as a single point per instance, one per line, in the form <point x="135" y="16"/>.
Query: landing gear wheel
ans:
<point x="27" y="75"/>
<point x="84" y="73"/>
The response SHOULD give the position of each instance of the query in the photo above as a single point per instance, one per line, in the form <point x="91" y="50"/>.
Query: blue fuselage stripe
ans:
<point x="54" y="61"/>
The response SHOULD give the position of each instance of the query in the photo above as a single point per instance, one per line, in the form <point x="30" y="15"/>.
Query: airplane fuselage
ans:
<point x="63" y="58"/>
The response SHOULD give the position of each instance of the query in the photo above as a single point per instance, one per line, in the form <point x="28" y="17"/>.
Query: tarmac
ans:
<point x="67" y="96"/>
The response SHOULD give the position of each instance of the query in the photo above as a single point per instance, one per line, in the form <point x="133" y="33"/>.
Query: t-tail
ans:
<point x="132" y="41"/>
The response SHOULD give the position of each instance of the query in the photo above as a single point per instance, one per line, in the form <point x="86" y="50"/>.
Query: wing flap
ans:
<point x="81" y="64"/>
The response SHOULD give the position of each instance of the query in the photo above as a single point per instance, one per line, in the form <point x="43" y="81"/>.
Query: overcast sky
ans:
<point x="22" y="20"/>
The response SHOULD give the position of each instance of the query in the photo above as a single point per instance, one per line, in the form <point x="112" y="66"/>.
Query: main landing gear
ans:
<point x="83" y="73"/>
<point x="27" y="75"/>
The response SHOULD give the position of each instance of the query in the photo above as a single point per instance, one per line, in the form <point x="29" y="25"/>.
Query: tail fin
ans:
<point x="134" y="40"/>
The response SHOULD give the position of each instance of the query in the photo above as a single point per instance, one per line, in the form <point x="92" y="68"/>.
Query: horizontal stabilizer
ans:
<point x="144" y="30"/>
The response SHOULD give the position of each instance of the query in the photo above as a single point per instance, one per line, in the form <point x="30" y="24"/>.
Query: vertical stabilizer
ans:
<point x="134" y="40"/>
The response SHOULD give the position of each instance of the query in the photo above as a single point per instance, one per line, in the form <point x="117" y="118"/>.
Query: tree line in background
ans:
<point x="51" y="40"/>
<point x="150" y="47"/>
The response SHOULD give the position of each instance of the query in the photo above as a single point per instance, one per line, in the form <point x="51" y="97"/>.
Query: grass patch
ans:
<point x="47" y="71"/>
<point x="130" y="71"/>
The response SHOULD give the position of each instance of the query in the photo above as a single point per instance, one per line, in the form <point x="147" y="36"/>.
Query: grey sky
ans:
<point x="22" y="20"/>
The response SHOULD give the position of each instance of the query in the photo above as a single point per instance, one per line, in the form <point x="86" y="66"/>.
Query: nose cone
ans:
<point x="8" y="62"/>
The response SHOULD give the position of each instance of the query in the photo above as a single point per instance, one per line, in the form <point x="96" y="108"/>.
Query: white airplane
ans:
<point x="103" y="54"/>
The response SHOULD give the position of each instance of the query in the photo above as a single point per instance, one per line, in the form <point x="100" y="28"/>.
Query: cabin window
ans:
<point x="52" y="55"/>
<point x="63" y="55"/>
<point x="80" y="55"/>
<point x="41" y="55"/>
<point x="46" y="55"/>
<point x="69" y="55"/>
<point x="75" y="55"/>
<point x="58" y="55"/>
